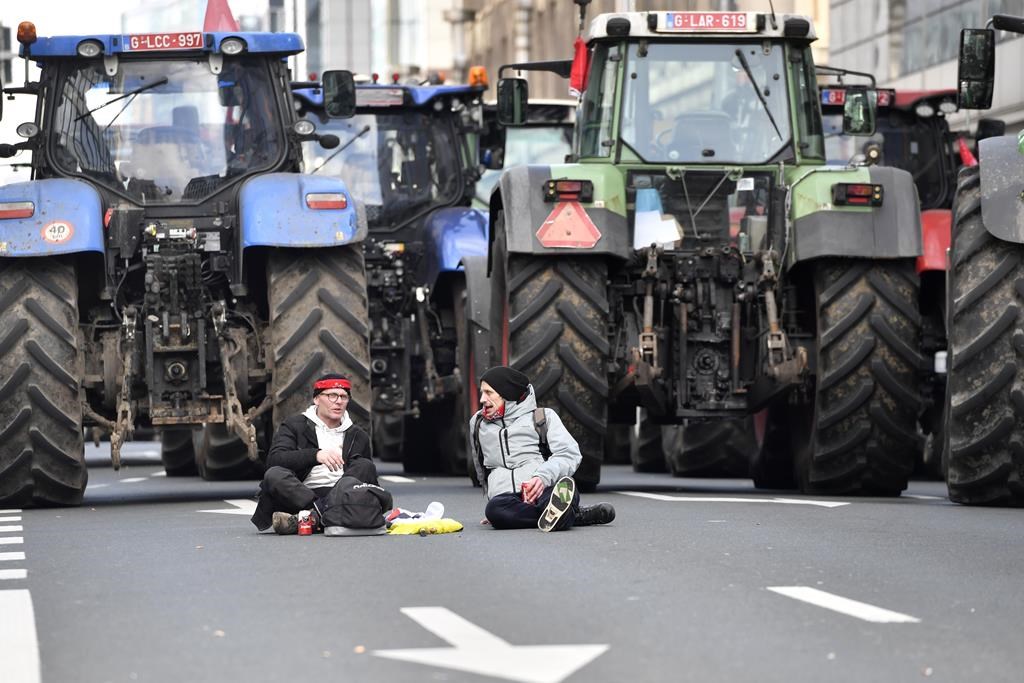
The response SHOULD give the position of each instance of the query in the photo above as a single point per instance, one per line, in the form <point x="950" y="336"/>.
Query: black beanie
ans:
<point x="510" y="384"/>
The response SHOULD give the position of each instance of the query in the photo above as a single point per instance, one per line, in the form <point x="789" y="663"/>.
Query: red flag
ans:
<point x="966" y="156"/>
<point x="580" y="67"/>
<point x="219" y="17"/>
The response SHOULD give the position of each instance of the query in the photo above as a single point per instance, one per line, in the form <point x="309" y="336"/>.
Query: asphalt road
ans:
<point x="161" y="579"/>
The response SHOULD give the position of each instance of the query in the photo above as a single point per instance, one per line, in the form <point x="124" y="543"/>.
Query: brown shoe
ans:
<point x="285" y="523"/>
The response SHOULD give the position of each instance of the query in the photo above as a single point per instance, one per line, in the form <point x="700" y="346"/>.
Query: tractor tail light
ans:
<point x="857" y="194"/>
<point x="569" y="190"/>
<point x="326" y="200"/>
<point x="17" y="210"/>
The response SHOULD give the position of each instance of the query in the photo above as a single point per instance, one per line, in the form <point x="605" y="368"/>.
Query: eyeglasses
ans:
<point x="336" y="398"/>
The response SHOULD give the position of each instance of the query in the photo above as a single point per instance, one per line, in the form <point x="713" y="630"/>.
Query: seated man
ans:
<point x="528" y="481"/>
<point x="310" y="454"/>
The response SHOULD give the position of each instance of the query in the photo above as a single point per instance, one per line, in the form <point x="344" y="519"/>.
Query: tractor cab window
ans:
<point x="699" y="102"/>
<point x="596" y="109"/>
<point x="396" y="163"/>
<point x="163" y="132"/>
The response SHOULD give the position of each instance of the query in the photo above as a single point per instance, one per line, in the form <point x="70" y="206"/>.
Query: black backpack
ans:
<point x="540" y="423"/>
<point x="355" y="505"/>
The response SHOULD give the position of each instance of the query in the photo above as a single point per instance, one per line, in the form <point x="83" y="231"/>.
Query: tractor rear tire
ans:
<point x="178" y="453"/>
<point x="985" y="395"/>
<point x="717" y="448"/>
<point x="863" y="439"/>
<point x="318" y="325"/>
<point x="42" y="453"/>
<point x="557" y="325"/>
<point x="388" y="436"/>
<point x="222" y="456"/>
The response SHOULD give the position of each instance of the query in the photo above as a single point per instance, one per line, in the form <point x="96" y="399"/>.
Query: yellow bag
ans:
<point x="425" y="527"/>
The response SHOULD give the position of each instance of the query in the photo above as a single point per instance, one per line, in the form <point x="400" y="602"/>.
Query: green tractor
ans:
<point x="696" y="259"/>
<point x="985" y="295"/>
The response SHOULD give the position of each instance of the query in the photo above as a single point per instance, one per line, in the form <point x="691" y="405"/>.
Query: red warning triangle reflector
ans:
<point x="569" y="227"/>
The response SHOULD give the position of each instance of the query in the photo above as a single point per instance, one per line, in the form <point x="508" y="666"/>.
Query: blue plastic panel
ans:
<point x="68" y="218"/>
<point x="67" y="46"/>
<point x="455" y="232"/>
<point x="274" y="212"/>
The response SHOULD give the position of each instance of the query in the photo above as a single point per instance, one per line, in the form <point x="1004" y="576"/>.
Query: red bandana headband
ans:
<point x="325" y="384"/>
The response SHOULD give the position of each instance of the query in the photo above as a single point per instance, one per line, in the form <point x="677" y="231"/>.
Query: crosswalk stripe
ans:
<point x="11" y="540"/>
<point x="13" y="574"/>
<point x="11" y="557"/>
<point x="10" y="529"/>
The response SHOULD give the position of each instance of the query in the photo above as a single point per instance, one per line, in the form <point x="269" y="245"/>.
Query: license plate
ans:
<point x="379" y="97"/>
<point x="690" y="22"/>
<point x="147" y="42"/>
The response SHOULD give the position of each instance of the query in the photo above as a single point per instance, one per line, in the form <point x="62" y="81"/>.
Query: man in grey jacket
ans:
<point x="527" y="479"/>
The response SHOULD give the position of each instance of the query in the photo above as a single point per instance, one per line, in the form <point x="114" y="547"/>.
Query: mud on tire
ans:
<point x="178" y="453"/>
<point x="42" y="460"/>
<point x="863" y="439"/>
<point x="558" y="317"/>
<point x="985" y="393"/>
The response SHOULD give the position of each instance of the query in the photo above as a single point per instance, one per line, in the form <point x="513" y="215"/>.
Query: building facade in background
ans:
<point x="913" y="44"/>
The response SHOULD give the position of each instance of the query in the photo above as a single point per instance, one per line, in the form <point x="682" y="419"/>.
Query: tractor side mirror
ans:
<point x="1" y="101"/>
<point x="859" y="110"/>
<point x="513" y="100"/>
<point x="990" y="128"/>
<point x="976" y="68"/>
<point x="339" y="94"/>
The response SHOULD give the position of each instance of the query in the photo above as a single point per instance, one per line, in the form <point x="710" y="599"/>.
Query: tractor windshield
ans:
<point x="698" y="102"/>
<point x="920" y="146"/>
<point x="397" y="163"/>
<point x="164" y="132"/>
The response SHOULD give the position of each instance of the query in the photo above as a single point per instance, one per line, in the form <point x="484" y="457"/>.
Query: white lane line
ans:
<point x="97" y="486"/>
<point x="10" y="529"/>
<point x="11" y="540"/>
<point x="11" y="557"/>
<point x="19" y="649"/>
<point x="16" y="518"/>
<point x="161" y="473"/>
<point x="702" y="499"/>
<point x="13" y="574"/>
<point x="922" y="497"/>
<point x="395" y="479"/>
<point x="836" y="603"/>
<point x="132" y="480"/>
<point x="241" y="506"/>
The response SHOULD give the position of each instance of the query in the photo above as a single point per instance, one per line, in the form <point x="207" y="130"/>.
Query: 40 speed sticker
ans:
<point x="57" y="232"/>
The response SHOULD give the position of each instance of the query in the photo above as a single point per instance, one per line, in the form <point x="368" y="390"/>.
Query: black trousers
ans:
<point x="508" y="511"/>
<point x="282" y="491"/>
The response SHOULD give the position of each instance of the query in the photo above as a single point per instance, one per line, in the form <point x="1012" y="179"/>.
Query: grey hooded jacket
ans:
<point x="510" y="448"/>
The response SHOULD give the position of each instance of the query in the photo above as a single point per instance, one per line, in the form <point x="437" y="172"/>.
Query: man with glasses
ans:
<point x="310" y="454"/>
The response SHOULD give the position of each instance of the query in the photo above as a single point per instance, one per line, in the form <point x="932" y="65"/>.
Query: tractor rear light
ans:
<point x="232" y="46"/>
<point x="89" y="48"/>
<point x="326" y="200"/>
<point x="17" y="210"/>
<point x="856" y="194"/>
<point x="393" y="247"/>
<point x="566" y="190"/>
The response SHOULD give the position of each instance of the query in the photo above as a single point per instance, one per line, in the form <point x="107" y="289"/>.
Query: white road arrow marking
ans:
<point x="481" y="652"/>
<point x="19" y="649"/>
<point x="836" y="603"/>
<point x="703" y="499"/>
<point x="242" y="507"/>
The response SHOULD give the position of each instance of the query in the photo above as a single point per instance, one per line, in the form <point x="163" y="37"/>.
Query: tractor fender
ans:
<point x="273" y="213"/>
<point x="889" y="231"/>
<point x="482" y="330"/>
<point x="67" y="218"/>
<point x="455" y="232"/>
<point x="935" y="233"/>
<point x="1002" y="182"/>
<point x="520" y="194"/>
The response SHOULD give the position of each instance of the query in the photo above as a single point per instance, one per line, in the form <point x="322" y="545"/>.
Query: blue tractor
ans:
<point x="411" y="154"/>
<point x="167" y="265"/>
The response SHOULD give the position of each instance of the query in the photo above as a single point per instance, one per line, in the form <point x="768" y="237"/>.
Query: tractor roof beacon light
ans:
<point x="26" y="33"/>
<point x="618" y="27"/>
<point x="478" y="76"/>
<point x="796" y="27"/>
